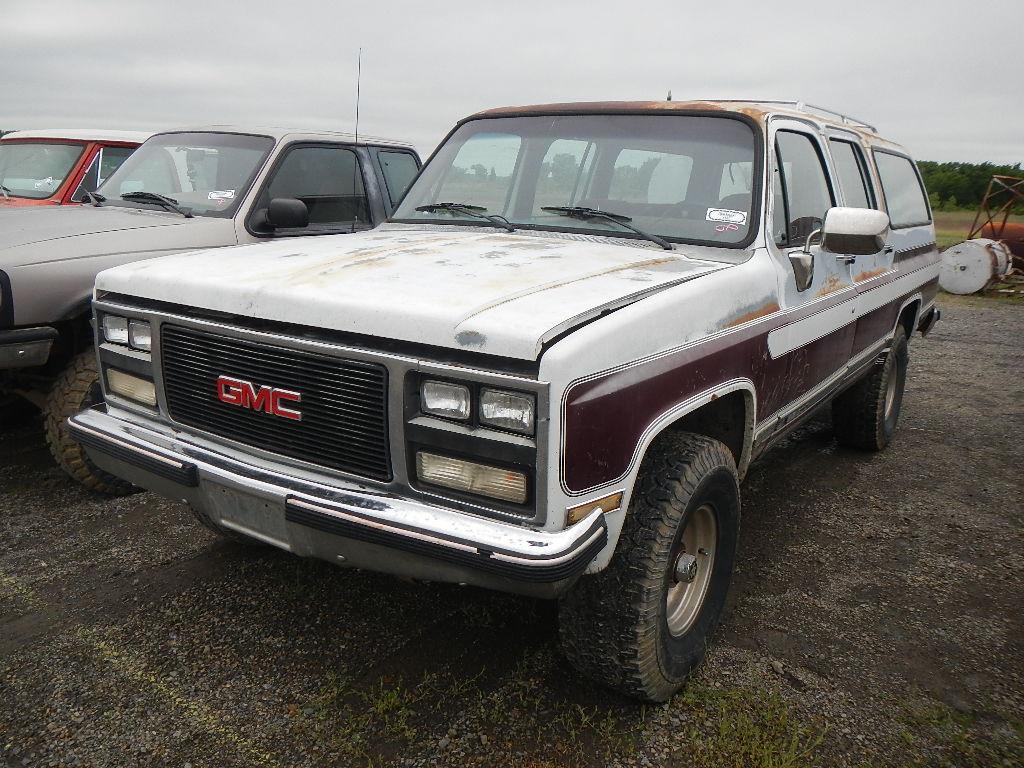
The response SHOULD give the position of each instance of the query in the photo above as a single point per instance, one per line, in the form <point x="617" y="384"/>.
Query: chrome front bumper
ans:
<point x="351" y="524"/>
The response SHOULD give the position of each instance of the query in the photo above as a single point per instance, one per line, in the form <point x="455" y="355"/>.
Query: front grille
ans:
<point x="344" y="402"/>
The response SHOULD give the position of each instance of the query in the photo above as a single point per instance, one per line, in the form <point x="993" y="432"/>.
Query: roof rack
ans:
<point x="803" y="106"/>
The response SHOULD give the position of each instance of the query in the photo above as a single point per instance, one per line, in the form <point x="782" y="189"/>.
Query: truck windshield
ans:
<point x="681" y="177"/>
<point x="207" y="173"/>
<point x="36" y="169"/>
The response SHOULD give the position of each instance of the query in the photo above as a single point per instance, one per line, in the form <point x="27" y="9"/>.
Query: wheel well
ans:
<point x="74" y="335"/>
<point x="727" y="419"/>
<point x="908" y="317"/>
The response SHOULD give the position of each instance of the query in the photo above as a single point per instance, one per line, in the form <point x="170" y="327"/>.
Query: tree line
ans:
<point x="958" y="186"/>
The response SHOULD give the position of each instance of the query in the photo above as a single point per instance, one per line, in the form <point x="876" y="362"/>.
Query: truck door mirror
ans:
<point x="287" y="213"/>
<point x="854" y="231"/>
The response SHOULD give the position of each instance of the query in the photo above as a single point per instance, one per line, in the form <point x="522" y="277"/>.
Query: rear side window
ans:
<point x="399" y="170"/>
<point x="805" y="185"/>
<point x="904" y="193"/>
<point x="853" y="177"/>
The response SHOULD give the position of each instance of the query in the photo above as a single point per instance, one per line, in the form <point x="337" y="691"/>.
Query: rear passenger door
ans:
<point x="817" y="337"/>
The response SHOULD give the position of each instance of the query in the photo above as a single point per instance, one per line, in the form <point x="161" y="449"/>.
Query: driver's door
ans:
<point x="817" y="291"/>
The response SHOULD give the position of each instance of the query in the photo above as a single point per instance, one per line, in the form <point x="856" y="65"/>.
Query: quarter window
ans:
<point x="904" y="193"/>
<point x="399" y="170"/>
<point x="327" y="179"/>
<point x="805" y="184"/>
<point x="853" y="178"/>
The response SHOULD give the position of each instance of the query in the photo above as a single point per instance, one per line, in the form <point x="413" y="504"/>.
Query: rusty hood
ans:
<point x="498" y="293"/>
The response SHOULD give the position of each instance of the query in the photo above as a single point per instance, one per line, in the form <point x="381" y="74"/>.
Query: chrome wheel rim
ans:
<point x="692" y="564"/>
<point x="890" y="388"/>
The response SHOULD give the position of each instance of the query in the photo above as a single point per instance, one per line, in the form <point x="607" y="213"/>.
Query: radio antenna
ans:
<point x="355" y="165"/>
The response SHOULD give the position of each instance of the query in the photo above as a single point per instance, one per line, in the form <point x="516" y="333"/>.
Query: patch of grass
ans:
<point x="357" y="722"/>
<point x="941" y="736"/>
<point x="951" y="227"/>
<point x="742" y="727"/>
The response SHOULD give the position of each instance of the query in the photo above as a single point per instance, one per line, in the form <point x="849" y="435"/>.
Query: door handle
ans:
<point x="845" y="258"/>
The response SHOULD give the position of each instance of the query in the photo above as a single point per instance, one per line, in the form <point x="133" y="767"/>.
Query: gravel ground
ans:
<point x="876" y="619"/>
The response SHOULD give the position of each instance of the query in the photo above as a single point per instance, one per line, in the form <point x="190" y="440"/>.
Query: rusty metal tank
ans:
<point x="970" y="266"/>
<point x="1010" y="233"/>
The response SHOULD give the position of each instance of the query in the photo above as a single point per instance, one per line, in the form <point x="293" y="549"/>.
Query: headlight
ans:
<point x="470" y="477"/>
<point x="115" y="329"/>
<point x="513" y="411"/>
<point x="139" y="335"/>
<point x="442" y="398"/>
<point x="134" y="333"/>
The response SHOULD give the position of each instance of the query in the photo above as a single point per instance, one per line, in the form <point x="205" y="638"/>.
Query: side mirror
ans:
<point x="854" y="231"/>
<point x="287" y="213"/>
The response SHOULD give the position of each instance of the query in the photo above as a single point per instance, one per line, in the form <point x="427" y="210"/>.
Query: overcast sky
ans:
<point x="925" y="71"/>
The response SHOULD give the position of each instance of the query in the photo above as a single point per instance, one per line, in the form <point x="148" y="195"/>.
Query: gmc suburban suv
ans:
<point x="549" y="372"/>
<point x="182" y="190"/>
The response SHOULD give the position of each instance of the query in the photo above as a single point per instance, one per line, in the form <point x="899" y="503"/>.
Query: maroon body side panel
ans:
<point x="605" y="417"/>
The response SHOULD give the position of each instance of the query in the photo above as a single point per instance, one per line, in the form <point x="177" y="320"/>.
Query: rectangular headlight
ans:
<point x="507" y="410"/>
<point x="115" y="329"/>
<point x="139" y="335"/>
<point x="132" y="387"/>
<point x="442" y="398"/>
<point x="470" y="477"/>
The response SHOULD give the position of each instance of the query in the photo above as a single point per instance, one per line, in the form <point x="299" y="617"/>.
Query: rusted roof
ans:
<point x="758" y="110"/>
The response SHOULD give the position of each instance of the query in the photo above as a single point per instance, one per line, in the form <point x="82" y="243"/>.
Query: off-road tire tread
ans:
<point x="66" y="398"/>
<point x="598" y="620"/>
<point x="858" y="414"/>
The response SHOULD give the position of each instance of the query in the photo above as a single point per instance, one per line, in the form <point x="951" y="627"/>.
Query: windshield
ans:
<point x="684" y="178"/>
<point x="36" y="169"/>
<point x="208" y="173"/>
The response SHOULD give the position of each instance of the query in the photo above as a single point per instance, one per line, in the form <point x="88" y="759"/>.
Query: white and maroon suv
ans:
<point x="549" y="372"/>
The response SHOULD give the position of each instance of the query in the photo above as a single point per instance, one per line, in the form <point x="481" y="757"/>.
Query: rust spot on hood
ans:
<point x="831" y="285"/>
<point x="746" y="317"/>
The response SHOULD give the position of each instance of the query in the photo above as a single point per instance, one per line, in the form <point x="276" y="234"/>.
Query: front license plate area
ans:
<point x="256" y="515"/>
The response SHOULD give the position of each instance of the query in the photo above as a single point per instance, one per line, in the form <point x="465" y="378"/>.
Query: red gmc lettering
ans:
<point x="264" y="398"/>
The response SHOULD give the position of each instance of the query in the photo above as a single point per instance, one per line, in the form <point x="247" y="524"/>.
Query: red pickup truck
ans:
<point x="57" y="167"/>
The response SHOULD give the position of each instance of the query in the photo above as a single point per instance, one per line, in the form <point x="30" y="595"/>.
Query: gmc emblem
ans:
<point x="266" y="399"/>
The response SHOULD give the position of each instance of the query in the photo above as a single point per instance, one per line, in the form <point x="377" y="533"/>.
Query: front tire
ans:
<point x="642" y="625"/>
<point x="865" y="415"/>
<point x="78" y="388"/>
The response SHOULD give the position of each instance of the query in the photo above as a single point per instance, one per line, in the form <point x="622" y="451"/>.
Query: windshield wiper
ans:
<point x="476" y="211"/>
<point x="585" y="214"/>
<point x="6" y="192"/>
<point x="94" y="197"/>
<point x="152" y="197"/>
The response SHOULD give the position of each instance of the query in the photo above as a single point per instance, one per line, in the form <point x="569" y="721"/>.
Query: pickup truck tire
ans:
<point x="78" y="388"/>
<point x="865" y="415"/>
<point x="636" y="627"/>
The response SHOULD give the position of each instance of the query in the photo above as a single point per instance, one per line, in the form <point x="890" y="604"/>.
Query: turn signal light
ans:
<point x="132" y="387"/>
<point x="470" y="477"/>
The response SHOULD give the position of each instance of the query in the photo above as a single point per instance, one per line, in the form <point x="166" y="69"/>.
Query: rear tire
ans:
<point x="636" y="627"/>
<point x="78" y="388"/>
<point x="865" y="416"/>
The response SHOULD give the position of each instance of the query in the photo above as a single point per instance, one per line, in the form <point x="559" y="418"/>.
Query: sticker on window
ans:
<point x="227" y="194"/>
<point x="727" y="215"/>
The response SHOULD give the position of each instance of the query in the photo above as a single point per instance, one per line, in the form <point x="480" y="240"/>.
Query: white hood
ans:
<point x="501" y="294"/>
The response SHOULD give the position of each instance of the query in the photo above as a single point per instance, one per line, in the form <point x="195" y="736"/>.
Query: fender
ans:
<point x="668" y="417"/>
